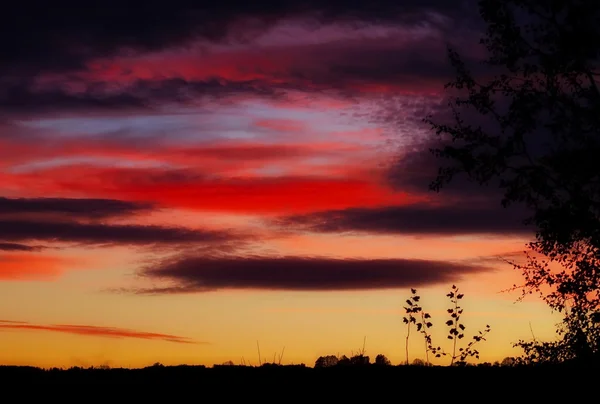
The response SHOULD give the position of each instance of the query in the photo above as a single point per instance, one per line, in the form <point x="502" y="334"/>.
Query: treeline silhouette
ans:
<point x="344" y="381"/>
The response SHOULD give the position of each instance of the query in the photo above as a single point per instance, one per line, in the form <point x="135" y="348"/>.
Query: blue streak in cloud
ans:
<point x="216" y="123"/>
<point x="95" y="161"/>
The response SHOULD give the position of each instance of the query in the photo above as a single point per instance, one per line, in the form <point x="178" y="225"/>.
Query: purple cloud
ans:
<point x="202" y="274"/>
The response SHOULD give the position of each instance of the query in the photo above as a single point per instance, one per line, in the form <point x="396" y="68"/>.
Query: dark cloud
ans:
<point x="415" y="167"/>
<point x="21" y="96"/>
<point x="413" y="219"/>
<point x="141" y="94"/>
<point x="388" y="61"/>
<point x="347" y="69"/>
<point x="62" y="39"/>
<point x="414" y="170"/>
<point x="72" y="208"/>
<point x="82" y="221"/>
<point x="201" y="274"/>
<point x="461" y="207"/>
<point x="99" y="234"/>
<point x="18" y="247"/>
<point x="36" y="35"/>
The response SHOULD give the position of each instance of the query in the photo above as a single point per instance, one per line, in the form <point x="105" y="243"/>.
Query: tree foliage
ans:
<point x="382" y="360"/>
<point x="326" y="361"/>
<point x="539" y="142"/>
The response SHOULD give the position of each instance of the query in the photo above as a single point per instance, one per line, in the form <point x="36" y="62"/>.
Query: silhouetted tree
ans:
<point x="326" y="361"/>
<point x="508" y="361"/>
<point x="360" y="360"/>
<point x="419" y="362"/>
<point x="382" y="360"/>
<point x="344" y="361"/>
<point x="531" y="125"/>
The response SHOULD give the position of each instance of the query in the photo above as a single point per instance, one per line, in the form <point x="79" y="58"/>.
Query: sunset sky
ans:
<point x="178" y="183"/>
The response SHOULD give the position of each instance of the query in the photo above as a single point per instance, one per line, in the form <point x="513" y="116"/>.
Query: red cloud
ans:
<point x="399" y="62"/>
<point x="281" y="125"/>
<point x="91" y="330"/>
<point x="24" y="266"/>
<point x="194" y="190"/>
<point x="219" y="156"/>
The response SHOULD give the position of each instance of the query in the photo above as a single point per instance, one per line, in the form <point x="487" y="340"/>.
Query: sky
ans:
<point x="182" y="180"/>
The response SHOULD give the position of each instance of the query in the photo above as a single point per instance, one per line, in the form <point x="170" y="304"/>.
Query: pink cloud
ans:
<point x="90" y="330"/>
<point x="27" y="266"/>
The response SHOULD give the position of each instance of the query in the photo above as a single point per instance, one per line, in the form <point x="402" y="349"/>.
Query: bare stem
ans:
<point x="407" y="336"/>
<point x="424" y="322"/>
<point x="455" y="330"/>
<point x="258" y="348"/>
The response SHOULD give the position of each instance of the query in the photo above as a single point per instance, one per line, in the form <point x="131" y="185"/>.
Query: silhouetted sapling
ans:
<point x="422" y="321"/>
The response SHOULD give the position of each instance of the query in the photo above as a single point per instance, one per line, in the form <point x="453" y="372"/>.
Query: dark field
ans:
<point x="297" y="383"/>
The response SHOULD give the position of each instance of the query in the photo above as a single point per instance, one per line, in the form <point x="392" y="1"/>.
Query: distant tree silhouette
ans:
<point x="360" y="360"/>
<point x="344" y="361"/>
<point x="326" y="361"/>
<point x="531" y="125"/>
<point x="382" y="360"/>
<point x="508" y="361"/>
<point x="419" y="362"/>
